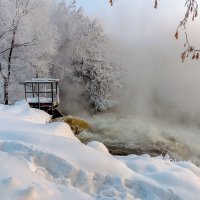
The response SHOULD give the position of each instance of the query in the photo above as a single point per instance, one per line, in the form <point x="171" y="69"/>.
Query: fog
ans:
<point x="156" y="82"/>
<point x="159" y="102"/>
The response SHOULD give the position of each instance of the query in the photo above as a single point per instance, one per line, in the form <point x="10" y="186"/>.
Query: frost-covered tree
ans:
<point x="100" y="81"/>
<point x="27" y="38"/>
<point x="32" y="31"/>
<point x="83" y="52"/>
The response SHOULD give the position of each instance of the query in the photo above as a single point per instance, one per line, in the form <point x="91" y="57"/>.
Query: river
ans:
<point x="124" y="135"/>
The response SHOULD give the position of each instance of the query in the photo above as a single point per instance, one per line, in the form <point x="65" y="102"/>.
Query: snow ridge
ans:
<point x="46" y="161"/>
<point x="61" y="172"/>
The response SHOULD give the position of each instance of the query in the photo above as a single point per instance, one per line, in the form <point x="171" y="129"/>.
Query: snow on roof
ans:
<point x="42" y="80"/>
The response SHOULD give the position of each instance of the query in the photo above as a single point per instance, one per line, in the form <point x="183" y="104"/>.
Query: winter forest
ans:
<point x="55" y="39"/>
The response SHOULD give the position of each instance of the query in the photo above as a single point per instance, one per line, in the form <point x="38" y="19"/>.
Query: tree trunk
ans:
<point x="6" y="90"/>
<point x="7" y="79"/>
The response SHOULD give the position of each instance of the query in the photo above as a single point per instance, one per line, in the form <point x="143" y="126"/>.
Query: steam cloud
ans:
<point x="157" y="83"/>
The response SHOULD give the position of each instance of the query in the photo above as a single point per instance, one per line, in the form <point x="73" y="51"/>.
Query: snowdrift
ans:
<point x="42" y="160"/>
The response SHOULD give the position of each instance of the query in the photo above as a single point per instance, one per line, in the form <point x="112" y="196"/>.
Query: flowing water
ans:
<point x="125" y="135"/>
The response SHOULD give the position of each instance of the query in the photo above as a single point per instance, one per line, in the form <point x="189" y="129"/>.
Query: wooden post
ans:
<point x="52" y="93"/>
<point x="56" y="89"/>
<point x="33" y="95"/>
<point x="25" y="90"/>
<point x="56" y="93"/>
<point x="38" y="96"/>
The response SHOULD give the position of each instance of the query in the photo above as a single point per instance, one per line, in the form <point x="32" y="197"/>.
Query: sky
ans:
<point x="127" y="14"/>
<point x="142" y="40"/>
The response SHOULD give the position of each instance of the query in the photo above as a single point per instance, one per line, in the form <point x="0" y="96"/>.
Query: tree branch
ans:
<point x="1" y="71"/>
<point x="30" y="43"/>
<point x="192" y="10"/>
<point x="5" y="32"/>
<point x="156" y="4"/>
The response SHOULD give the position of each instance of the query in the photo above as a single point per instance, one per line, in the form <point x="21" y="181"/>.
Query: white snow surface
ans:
<point x="98" y="146"/>
<point x="41" y="160"/>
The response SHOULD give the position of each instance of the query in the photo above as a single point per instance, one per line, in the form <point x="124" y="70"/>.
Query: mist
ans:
<point x="156" y="82"/>
<point x="159" y="90"/>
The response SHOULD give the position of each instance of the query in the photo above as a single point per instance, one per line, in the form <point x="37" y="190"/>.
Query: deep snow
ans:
<point x="42" y="160"/>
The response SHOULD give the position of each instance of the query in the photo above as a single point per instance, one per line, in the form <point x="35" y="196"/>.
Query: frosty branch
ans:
<point x="23" y="38"/>
<point x="25" y="44"/>
<point x="28" y="44"/>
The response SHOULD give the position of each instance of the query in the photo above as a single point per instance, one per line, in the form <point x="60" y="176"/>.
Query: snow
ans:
<point x="98" y="146"/>
<point x="41" y="100"/>
<point x="44" y="160"/>
<point x="41" y="80"/>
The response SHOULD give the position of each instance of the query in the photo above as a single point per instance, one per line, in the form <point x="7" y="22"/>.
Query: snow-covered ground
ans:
<point x="41" y="160"/>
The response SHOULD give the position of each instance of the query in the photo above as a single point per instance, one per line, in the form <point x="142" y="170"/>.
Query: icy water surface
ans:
<point x="125" y="135"/>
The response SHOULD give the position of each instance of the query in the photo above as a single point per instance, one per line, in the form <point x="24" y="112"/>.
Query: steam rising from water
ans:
<point x="161" y="95"/>
<point x="156" y="83"/>
<point x="132" y="135"/>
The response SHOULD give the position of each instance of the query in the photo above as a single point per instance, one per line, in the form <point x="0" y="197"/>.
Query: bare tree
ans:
<point x="21" y="38"/>
<point x="22" y="8"/>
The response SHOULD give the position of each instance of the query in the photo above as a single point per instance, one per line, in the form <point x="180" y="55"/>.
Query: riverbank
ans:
<point x="42" y="160"/>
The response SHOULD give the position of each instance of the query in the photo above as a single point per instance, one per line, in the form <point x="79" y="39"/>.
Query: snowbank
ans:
<point x="41" y="160"/>
<point x="98" y="146"/>
<point x="22" y="111"/>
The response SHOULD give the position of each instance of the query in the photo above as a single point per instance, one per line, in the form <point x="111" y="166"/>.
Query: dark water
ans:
<point x="176" y="150"/>
<point x="129" y="135"/>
